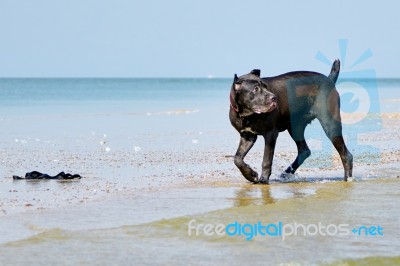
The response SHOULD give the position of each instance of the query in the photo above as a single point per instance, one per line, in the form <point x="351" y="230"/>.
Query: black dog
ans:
<point x="267" y="106"/>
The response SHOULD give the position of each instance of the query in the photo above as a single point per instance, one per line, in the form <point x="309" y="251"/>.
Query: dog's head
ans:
<point x="249" y="95"/>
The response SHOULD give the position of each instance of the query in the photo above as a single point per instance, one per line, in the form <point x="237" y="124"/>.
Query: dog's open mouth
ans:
<point x="270" y="107"/>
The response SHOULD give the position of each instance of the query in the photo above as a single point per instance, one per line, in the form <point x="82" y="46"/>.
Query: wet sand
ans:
<point x="141" y="189"/>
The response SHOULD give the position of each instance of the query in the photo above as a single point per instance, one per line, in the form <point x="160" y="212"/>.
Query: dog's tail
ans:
<point x="335" y="71"/>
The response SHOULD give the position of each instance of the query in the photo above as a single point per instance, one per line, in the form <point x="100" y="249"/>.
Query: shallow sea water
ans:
<point x="153" y="228"/>
<point x="168" y="162"/>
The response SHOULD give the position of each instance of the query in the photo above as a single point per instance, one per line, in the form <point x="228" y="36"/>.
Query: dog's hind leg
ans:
<point x="247" y="141"/>
<point x="345" y="156"/>
<point x="303" y="152"/>
<point x="333" y="131"/>
<point x="331" y="123"/>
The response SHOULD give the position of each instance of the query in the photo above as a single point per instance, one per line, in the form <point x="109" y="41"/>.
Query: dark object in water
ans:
<point x="39" y="175"/>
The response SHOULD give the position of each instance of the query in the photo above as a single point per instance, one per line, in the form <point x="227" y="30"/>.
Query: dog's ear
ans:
<point x="256" y="72"/>
<point x="236" y="83"/>
<point x="232" y="97"/>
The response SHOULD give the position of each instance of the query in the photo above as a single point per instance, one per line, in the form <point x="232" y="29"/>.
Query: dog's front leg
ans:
<point x="270" y="141"/>
<point x="247" y="141"/>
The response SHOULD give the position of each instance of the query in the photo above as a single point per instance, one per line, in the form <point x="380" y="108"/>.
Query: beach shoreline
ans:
<point x="138" y="170"/>
<point x="148" y="171"/>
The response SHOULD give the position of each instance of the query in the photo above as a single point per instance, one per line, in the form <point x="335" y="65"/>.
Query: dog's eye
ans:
<point x="256" y="89"/>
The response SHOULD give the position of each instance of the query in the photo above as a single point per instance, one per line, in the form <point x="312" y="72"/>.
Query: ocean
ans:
<point x="156" y="154"/>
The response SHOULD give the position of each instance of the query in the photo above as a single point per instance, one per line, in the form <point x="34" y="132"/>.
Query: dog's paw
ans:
<point x="263" y="180"/>
<point x="350" y="179"/>
<point x="252" y="176"/>
<point x="287" y="177"/>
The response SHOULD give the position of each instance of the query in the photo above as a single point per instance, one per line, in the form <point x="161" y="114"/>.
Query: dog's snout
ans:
<point x="273" y="99"/>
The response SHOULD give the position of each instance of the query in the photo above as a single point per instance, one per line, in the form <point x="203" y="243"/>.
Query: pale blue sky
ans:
<point x="122" y="38"/>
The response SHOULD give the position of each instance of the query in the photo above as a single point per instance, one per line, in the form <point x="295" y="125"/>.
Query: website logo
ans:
<point x="281" y="230"/>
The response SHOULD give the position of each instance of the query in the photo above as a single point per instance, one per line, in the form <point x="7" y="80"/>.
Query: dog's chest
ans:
<point x="256" y="124"/>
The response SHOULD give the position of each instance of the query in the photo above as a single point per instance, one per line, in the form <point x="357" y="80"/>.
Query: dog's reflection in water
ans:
<point x="250" y="194"/>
